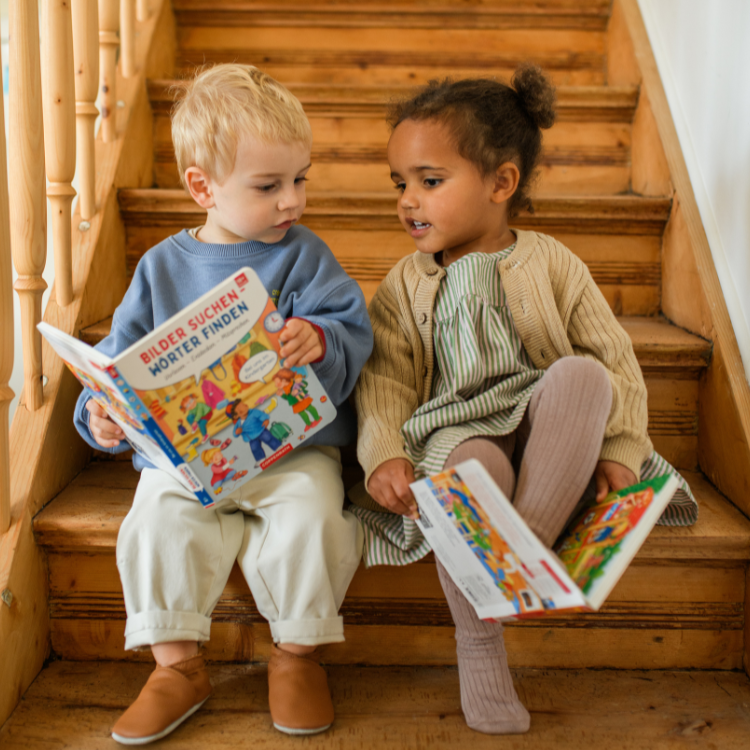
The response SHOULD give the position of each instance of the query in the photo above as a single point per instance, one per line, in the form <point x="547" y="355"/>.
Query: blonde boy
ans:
<point x="242" y="143"/>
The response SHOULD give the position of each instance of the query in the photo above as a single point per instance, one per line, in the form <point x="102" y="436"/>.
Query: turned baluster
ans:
<point x="86" y="64"/>
<point x="28" y="204"/>
<point x="58" y="103"/>
<point x="127" y="37"/>
<point x="109" y="23"/>
<point x="142" y="11"/>
<point x="6" y="332"/>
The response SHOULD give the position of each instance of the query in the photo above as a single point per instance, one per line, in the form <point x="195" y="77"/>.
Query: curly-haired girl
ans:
<point x="492" y="343"/>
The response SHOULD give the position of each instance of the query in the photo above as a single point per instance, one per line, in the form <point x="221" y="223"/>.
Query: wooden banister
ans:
<point x="142" y="10"/>
<point x="109" y="24"/>
<point x="127" y="37"/>
<point x="86" y="62"/>
<point x="6" y="332"/>
<point x="28" y="204"/>
<point x="58" y="104"/>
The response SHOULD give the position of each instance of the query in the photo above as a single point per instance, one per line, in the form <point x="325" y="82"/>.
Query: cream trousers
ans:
<point x="287" y="529"/>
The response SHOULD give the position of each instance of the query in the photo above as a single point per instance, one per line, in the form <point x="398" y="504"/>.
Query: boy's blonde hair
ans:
<point x="226" y="102"/>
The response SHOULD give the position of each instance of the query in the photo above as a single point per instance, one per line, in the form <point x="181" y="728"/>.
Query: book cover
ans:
<point x="502" y="567"/>
<point x="206" y="393"/>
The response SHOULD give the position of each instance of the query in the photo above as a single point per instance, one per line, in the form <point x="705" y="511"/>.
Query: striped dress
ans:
<point x="484" y="380"/>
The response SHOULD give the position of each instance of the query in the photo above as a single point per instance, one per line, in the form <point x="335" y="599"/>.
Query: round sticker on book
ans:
<point x="274" y="322"/>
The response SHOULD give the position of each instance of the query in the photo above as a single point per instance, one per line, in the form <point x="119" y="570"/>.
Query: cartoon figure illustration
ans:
<point x="252" y="425"/>
<point x="198" y="414"/>
<point x="220" y="468"/>
<point x="292" y="387"/>
<point x="213" y="395"/>
<point x="181" y="427"/>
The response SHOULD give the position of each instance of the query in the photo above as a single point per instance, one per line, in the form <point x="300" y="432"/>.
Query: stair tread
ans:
<point x="403" y="707"/>
<point x="654" y="340"/>
<point x="88" y="514"/>
<point x="610" y="103"/>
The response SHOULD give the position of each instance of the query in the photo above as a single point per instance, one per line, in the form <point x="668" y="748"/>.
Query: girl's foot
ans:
<point x="488" y="698"/>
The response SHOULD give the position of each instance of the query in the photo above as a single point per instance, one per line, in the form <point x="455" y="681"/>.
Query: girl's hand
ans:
<point x="301" y="343"/>
<point x="389" y="486"/>
<point x="611" y="477"/>
<point x="104" y="430"/>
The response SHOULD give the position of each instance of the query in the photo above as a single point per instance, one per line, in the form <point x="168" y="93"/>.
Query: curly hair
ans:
<point x="490" y="123"/>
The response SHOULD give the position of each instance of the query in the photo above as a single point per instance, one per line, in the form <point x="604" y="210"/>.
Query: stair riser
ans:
<point x="682" y="615"/>
<point x="627" y="269"/>
<point x="396" y="55"/>
<point x="349" y="155"/>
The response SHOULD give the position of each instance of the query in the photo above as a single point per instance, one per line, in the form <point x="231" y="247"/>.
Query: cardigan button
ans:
<point x="432" y="271"/>
<point x="422" y="318"/>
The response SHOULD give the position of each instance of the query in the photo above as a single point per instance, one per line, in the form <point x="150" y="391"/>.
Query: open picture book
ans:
<point x="501" y="566"/>
<point x="205" y="396"/>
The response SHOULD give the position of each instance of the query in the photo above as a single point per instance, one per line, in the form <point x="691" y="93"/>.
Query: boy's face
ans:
<point x="260" y="200"/>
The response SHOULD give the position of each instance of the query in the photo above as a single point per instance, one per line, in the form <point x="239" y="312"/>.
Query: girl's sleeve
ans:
<point x="595" y="333"/>
<point x="386" y="393"/>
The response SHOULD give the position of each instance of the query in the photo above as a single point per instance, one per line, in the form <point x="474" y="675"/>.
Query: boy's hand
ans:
<point x="301" y="343"/>
<point x="611" y="477"/>
<point x="104" y="430"/>
<point x="389" y="486"/>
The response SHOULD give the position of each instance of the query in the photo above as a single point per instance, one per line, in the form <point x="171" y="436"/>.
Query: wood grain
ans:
<point x="45" y="449"/>
<point x="673" y="710"/>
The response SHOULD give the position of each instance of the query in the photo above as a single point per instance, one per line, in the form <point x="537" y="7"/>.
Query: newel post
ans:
<point x="86" y="62"/>
<point x="109" y="23"/>
<point x="58" y="102"/>
<point x="28" y="203"/>
<point x="6" y="332"/>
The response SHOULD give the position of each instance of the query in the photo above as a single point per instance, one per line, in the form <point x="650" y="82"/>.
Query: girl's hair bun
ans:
<point x="536" y="94"/>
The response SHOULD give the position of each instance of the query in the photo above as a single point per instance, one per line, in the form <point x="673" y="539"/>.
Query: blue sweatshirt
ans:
<point x="302" y="276"/>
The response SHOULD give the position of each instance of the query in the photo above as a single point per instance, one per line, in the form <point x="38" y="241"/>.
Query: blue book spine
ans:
<point x="152" y="429"/>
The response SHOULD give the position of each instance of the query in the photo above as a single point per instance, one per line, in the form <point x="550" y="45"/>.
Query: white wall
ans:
<point x="702" y="48"/>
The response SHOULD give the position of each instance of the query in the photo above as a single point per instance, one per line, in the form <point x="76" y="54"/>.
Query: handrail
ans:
<point x="6" y="331"/>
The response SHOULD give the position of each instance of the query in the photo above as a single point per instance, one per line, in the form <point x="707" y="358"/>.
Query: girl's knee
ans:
<point x="579" y="374"/>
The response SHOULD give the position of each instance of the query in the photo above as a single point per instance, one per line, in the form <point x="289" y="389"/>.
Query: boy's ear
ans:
<point x="507" y="178"/>
<point x="200" y="187"/>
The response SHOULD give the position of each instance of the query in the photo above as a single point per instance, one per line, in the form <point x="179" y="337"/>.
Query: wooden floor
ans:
<point x="73" y="705"/>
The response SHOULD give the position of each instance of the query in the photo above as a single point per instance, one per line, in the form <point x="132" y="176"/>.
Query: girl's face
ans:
<point x="445" y="203"/>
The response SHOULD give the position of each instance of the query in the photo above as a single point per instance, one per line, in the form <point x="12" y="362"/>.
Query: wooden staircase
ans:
<point x="605" y="191"/>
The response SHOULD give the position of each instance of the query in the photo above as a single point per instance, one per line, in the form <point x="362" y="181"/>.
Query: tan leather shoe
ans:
<point x="171" y="695"/>
<point x="298" y="693"/>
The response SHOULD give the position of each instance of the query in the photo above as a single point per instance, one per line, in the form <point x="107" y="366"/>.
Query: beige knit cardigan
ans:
<point x="558" y="311"/>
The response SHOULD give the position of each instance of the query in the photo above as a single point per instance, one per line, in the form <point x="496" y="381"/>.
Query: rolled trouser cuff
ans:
<point x="148" y="628"/>
<point x="309" y="632"/>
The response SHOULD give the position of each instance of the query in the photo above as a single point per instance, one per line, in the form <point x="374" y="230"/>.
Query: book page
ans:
<point x="602" y="540"/>
<point x="490" y="553"/>
<point x="212" y="379"/>
<point x="95" y="372"/>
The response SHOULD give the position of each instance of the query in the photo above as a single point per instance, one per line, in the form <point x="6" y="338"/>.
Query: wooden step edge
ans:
<point x="422" y="15"/>
<point x="87" y="516"/>
<point x="644" y="214"/>
<point x="657" y="343"/>
<point x="574" y="103"/>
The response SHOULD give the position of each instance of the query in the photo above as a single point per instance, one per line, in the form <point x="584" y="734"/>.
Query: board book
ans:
<point x="205" y="396"/>
<point x="501" y="566"/>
